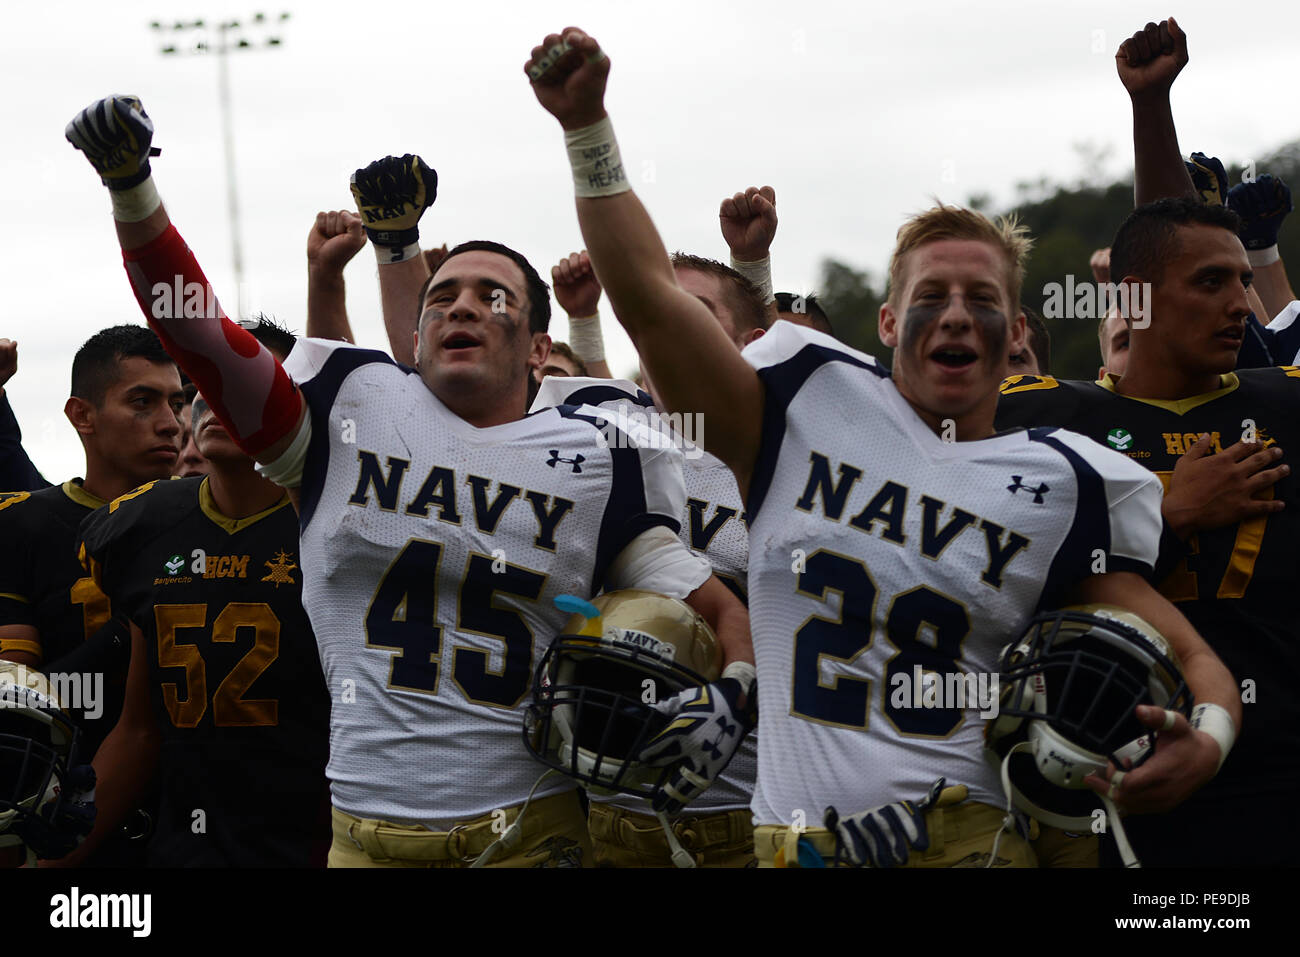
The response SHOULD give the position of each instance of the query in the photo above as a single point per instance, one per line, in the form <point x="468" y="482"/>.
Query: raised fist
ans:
<point x="115" y="134"/>
<point x="568" y="72"/>
<point x="334" y="239"/>
<point x="1100" y="265"/>
<point x="8" y="361"/>
<point x="749" y="223"/>
<point x="1209" y="177"/>
<point x="1149" y="60"/>
<point x="392" y="194"/>
<point x="577" y="289"/>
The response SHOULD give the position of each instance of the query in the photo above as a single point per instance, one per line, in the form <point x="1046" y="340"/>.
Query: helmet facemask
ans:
<point x="40" y="797"/>
<point x="1070" y="689"/>
<point x="596" y="690"/>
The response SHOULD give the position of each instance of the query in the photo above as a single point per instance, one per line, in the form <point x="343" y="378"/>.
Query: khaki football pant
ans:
<point x="1059" y="848"/>
<point x="622" y="838"/>
<point x="553" y="834"/>
<point x="961" y="835"/>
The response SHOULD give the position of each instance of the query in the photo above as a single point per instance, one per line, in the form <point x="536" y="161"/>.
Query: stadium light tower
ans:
<point x="230" y="36"/>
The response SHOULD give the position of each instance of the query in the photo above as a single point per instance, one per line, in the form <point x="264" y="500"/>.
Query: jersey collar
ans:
<point x="72" y="488"/>
<point x="1227" y="383"/>
<point x="232" y="525"/>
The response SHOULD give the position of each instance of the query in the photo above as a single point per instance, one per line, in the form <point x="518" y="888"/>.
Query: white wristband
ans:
<point x="135" y="204"/>
<point x="759" y="273"/>
<point x="286" y="471"/>
<point x="388" y="255"/>
<point x="1217" y="723"/>
<point x="1263" y="257"/>
<point x="742" y="671"/>
<point x="594" y="157"/>
<point x="585" y="339"/>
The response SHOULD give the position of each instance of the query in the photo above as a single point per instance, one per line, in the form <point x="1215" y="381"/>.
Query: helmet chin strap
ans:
<point x="509" y="839"/>
<point x="681" y="856"/>
<point x="1112" y="813"/>
<point x="1121" y="839"/>
<point x="1009" y="820"/>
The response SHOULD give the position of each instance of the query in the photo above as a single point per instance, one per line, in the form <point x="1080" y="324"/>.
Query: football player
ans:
<point x="226" y="699"/>
<point x="437" y="526"/>
<point x="804" y="311"/>
<point x="125" y="402"/>
<point x="191" y="462"/>
<point x="717" y="827"/>
<point x="890" y="528"/>
<point x="1216" y="438"/>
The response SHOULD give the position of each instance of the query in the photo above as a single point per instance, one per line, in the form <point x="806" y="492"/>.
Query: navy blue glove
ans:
<point x="1209" y="177"/>
<point x="392" y="194"/>
<point x="1262" y="205"/>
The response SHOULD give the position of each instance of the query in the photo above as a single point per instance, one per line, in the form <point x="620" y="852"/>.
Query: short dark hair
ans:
<point x="746" y="300"/>
<point x="1040" y="342"/>
<point x="810" y="306"/>
<point x="564" y="349"/>
<point x="95" y="366"/>
<point x="1148" y="238"/>
<point x="539" y="294"/>
<point x="271" y="334"/>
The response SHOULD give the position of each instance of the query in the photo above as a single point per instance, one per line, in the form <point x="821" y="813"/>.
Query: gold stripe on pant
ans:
<point x="553" y="834"/>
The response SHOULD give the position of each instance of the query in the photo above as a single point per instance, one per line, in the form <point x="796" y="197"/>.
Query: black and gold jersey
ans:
<point x="235" y="678"/>
<point x="42" y="583"/>
<point x="1236" y="584"/>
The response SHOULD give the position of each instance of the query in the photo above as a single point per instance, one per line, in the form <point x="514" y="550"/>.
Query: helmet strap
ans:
<point x="681" y="856"/>
<point x="1009" y="819"/>
<point x="509" y="839"/>
<point x="1121" y="839"/>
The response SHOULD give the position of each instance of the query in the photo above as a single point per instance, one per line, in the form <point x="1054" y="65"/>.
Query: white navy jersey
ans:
<point x="888" y="569"/>
<point x="432" y="552"/>
<point x="713" y="526"/>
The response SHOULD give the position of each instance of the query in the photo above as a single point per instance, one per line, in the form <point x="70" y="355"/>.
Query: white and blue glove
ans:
<point x="115" y="134"/>
<point x="706" y="729"/>
<point x="884" y="836"/>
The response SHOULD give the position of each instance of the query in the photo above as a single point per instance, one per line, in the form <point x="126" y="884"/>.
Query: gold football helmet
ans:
<point x="597" y="685"/>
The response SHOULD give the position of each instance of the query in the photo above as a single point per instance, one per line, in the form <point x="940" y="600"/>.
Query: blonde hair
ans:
<point x="954" y="222"/>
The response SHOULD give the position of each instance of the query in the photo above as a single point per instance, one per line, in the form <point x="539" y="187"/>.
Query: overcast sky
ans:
<point x="856" y="113"/>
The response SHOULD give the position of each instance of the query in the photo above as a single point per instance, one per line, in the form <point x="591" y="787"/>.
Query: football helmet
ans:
<point x="1069" y="692"/>
<point x="595" y="689"/>
<point x="43" y="800"/>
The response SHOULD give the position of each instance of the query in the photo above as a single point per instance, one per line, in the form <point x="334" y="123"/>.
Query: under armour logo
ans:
<point x="1016" y="485"/>
<point x="576" y="461"/>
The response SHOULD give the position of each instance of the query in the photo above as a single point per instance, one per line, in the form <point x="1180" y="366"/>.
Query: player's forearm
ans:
<point x="1158" y="168"/>
<point x="243" y="383"/>
<point x="631" y="262"/>
<point x="1274" y="290"/>
<point x="1206" y="676"/>
<point x="728" y="618"/>
<point x="142" y="233"/>
<point x="399" y="293"/>
<point x="327" y="311"/>
<point x="694" y="366"/>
